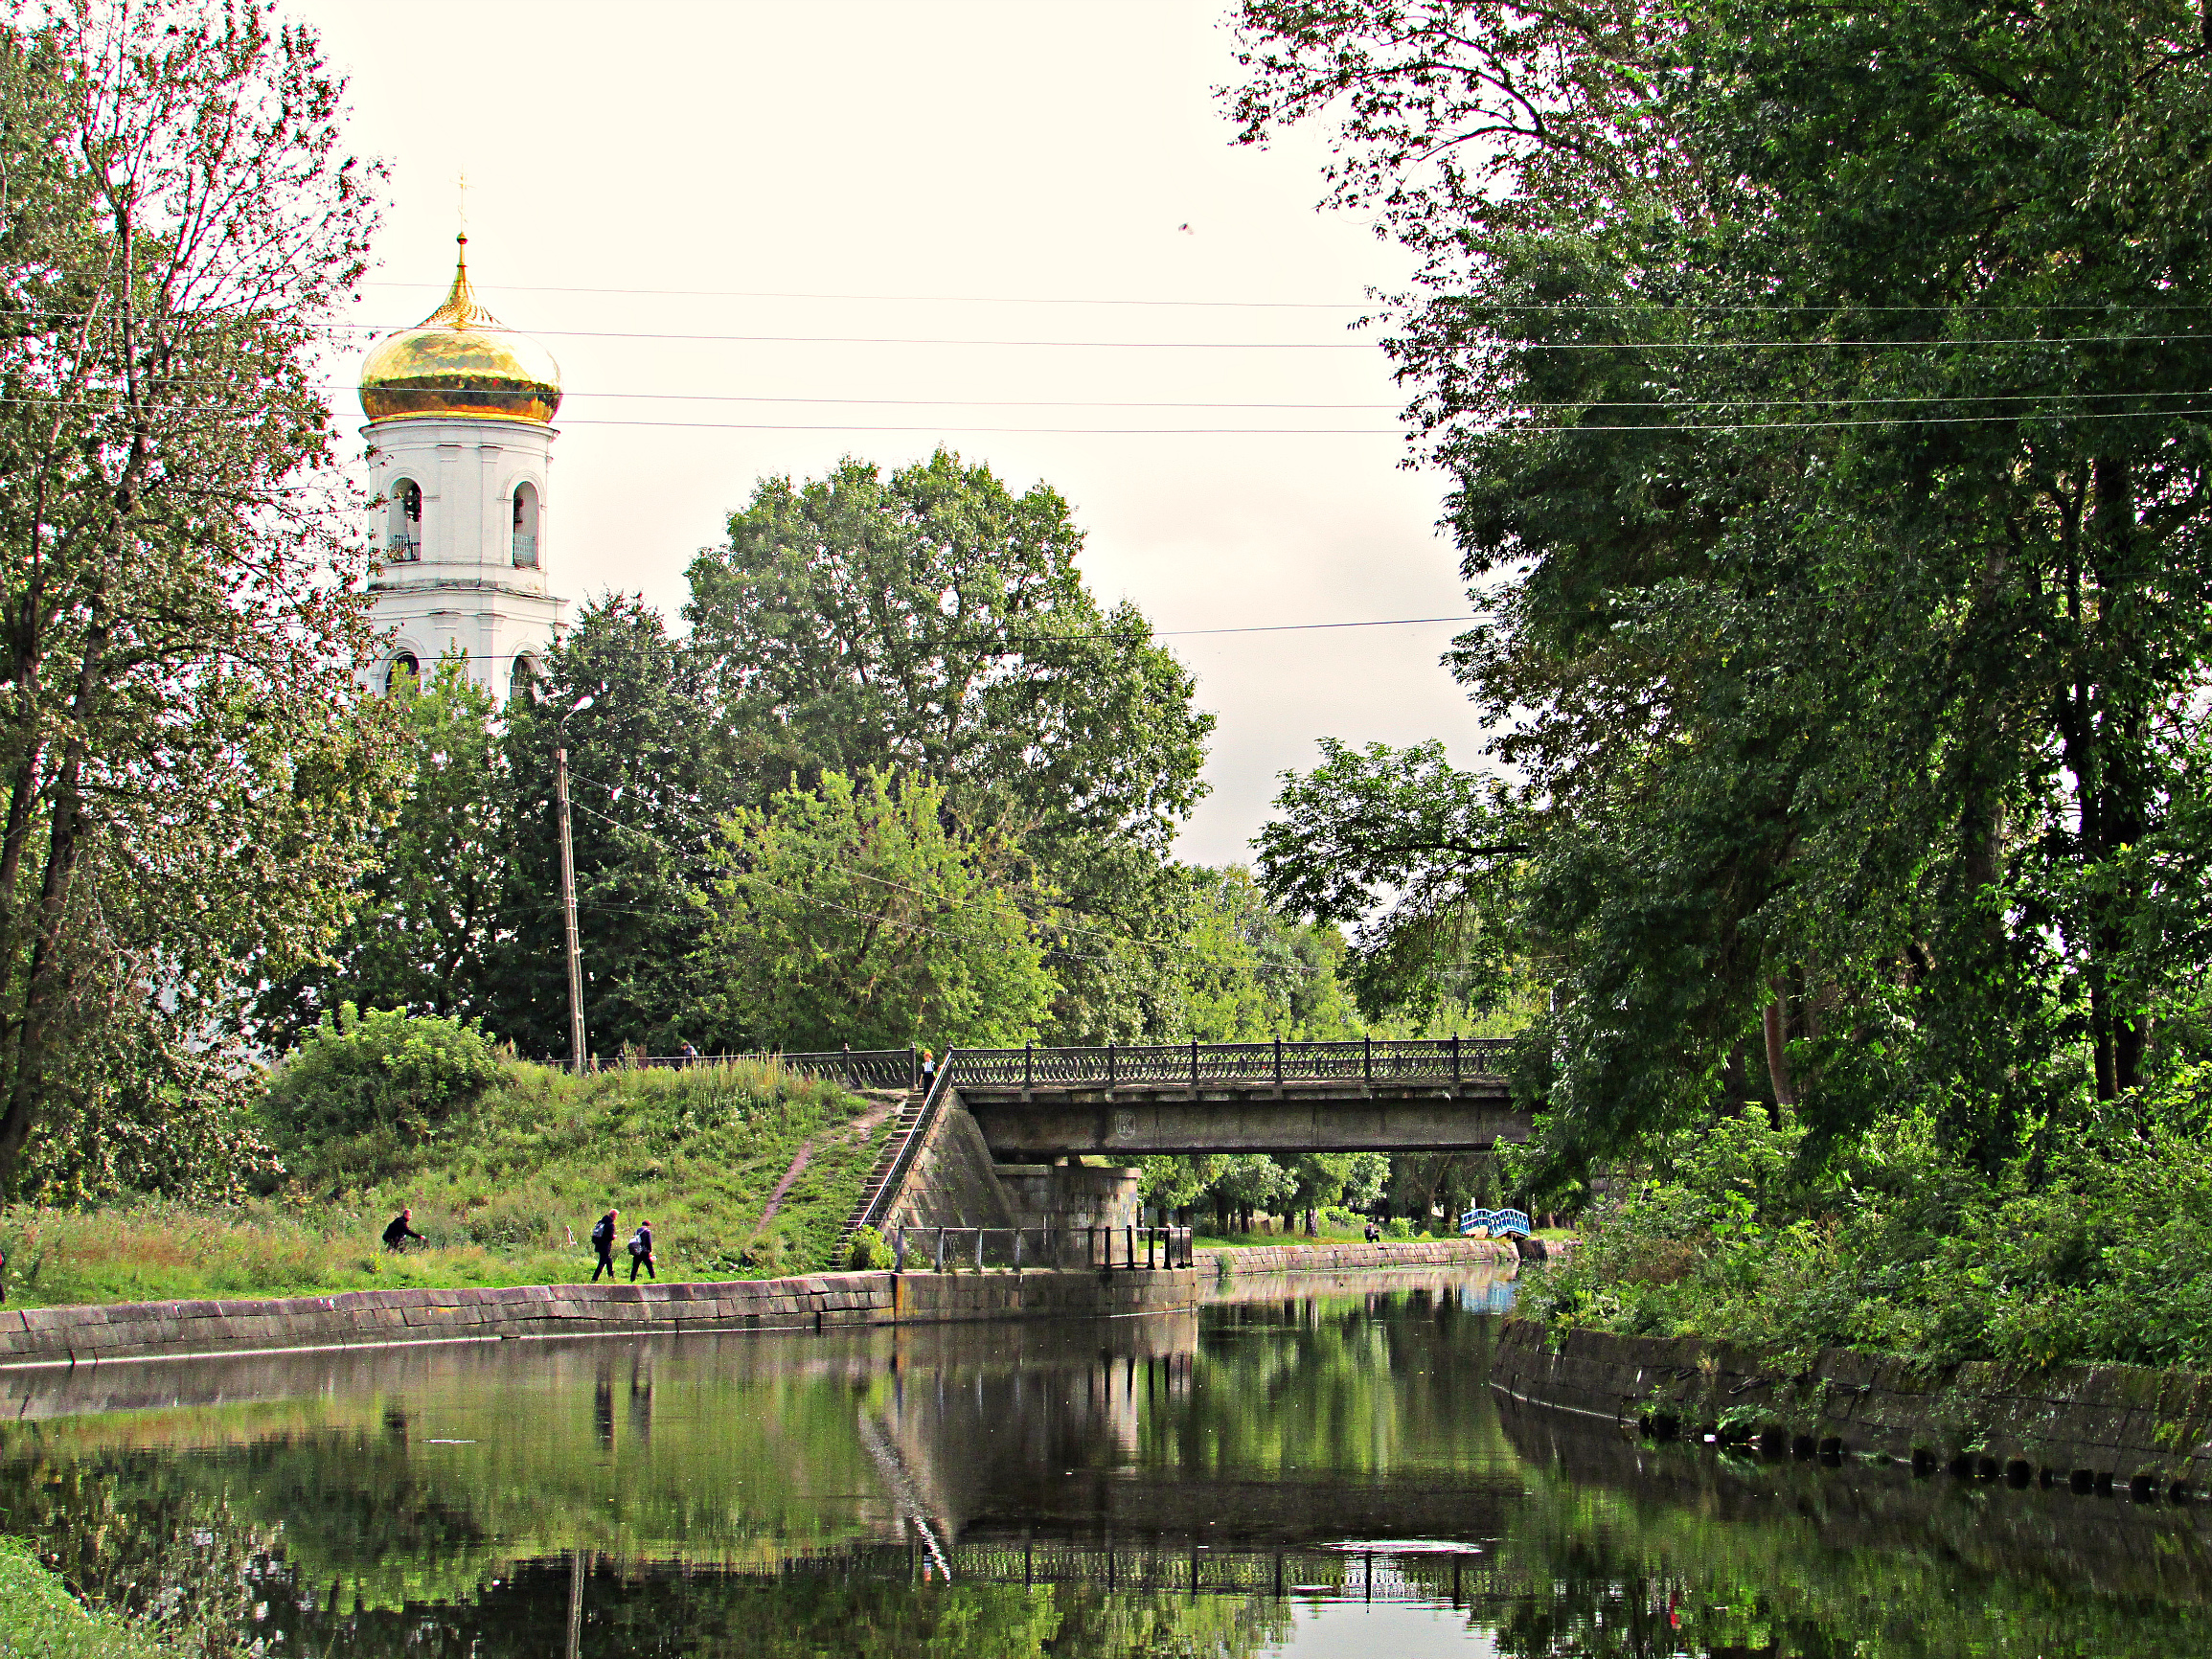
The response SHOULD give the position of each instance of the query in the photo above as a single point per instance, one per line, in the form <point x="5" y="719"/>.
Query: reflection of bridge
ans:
<point x="1415" y="1573"/>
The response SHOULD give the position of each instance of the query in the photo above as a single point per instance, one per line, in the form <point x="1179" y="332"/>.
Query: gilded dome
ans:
<point x="459" y="362"/>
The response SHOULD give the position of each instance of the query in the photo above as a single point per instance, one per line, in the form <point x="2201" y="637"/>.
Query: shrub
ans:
<point x="380" y="1072"/>
<point x="868" y="1253"/>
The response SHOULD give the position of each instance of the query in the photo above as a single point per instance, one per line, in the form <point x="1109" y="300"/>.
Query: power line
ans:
<point x="904" y="299"/>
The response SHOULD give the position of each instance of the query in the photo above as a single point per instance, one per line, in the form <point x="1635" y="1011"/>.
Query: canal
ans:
<point x="1297" y="1468"/>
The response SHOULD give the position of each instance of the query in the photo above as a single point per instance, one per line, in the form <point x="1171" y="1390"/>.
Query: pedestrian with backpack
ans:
<point x="641" y="1252"/>
<point x="602" y="1242"/>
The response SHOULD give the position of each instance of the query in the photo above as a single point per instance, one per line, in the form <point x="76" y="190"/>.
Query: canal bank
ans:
<point x="41" y="1336"/>
<point x="1233" y="1261"/>
<point x="2091" y="1428"/>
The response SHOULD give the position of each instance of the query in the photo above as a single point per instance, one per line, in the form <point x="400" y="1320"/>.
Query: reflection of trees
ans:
<point x="1349" y="1384"/>
<point x="1607" y="1577"/>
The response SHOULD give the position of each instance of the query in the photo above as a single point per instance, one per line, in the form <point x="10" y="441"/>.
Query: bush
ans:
<point x="868" y="1253"/>
<point x="381" y="1072"/>
<point x="1398" y="1227"/>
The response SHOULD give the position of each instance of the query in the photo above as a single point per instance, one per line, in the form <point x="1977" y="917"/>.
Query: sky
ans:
<point x="655" y="188"/>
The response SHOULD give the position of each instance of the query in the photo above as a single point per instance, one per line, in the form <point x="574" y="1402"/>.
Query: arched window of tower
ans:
<point x="404" y="664"/>
<point x="522" y="682"/>
<point x="526" y="527"/>
<point x="403" y="536"/>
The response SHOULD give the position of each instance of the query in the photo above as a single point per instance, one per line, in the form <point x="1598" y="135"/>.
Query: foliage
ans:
<point x="934" y="623"/>
<point x="384" y="1076"/>
<point x="1836" y="743"/>
<point x="867" y="1252"/>
<point x="645" y="788"/>
<point x="41" y="1620"/>
<point x="186" y="772"/>
<point x="2093" y="1252"/>
<point x="851" y="914"/>
<point x="426" y="918"/>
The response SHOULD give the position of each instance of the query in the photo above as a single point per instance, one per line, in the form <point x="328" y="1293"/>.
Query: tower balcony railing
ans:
<point x="525" y="550"/>
<point x="403" y="548"/>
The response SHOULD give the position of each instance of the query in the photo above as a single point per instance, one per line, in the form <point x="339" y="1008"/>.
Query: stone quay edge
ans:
<point x="78" y="1336"/>
<point x="2091" y="1428"/>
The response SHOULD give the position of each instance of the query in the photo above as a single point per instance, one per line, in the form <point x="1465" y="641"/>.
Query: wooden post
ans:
<point x="577" y="1053"/>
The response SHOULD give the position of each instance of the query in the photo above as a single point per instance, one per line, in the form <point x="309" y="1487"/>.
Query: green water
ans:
<point x="1318" y="1470"/>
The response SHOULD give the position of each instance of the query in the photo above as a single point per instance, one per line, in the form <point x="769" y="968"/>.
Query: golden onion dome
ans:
<point x="459" y="362"/>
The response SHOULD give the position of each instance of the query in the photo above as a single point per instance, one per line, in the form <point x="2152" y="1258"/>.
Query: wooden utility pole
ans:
<point x="575" y="1048"/>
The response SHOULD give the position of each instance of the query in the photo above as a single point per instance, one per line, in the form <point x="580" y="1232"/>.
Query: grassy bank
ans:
<point x="2098" y="1247"/>
<point x="39" y="1618"/>
<point x="505" y="1190"/>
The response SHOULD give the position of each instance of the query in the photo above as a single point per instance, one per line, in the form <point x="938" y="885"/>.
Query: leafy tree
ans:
<point x="186" y="772"/>
<point x="424" y="932"/>
<point x="1830" y="472"/>
<point x="1244" y="1183"/>
<point x="934" y="623"/>
<point x="644" y="790"/>
<point x="850" y="914"/>
<point x="1242" y="974"/>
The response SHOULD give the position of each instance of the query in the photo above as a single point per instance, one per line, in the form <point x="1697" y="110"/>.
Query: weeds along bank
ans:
<point x="505" y="1164"/>
<point x="2095" y="1248"/>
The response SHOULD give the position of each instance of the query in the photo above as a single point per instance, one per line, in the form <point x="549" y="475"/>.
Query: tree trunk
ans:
<point x="1775" y="1021"/>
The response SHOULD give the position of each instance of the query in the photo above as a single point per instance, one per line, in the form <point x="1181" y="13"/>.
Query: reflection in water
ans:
<point x="1303" y="1468"/>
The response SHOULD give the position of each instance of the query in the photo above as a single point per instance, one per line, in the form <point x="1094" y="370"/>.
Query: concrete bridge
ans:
<point x="992" y="1141"/>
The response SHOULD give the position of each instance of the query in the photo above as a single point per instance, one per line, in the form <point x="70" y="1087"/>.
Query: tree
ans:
<point x="1241" y="973"/>
<point x="423" y="931"/>
<point x="646" y="791"/>
<point x="850" y="914"/>
<point x="1836" y="497"/>
<point x="935" y="624"/>
<point x="186" y="773"/>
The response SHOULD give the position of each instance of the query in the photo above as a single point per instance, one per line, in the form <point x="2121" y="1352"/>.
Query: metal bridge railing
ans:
<point x="1494" y="1222"/>
<point x="978" y="1249"/>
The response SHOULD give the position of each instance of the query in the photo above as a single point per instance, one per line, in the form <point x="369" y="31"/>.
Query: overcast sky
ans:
<point x="870" y="176"/>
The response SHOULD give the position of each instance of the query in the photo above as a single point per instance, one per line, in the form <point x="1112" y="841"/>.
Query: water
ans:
<point x="1310" y="1469"/>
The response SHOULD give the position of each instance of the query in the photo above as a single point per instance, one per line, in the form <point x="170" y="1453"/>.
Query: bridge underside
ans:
<point x="1035" y="1126"/>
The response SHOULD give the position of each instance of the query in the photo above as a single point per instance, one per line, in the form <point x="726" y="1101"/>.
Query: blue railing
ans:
<point x="1493" y="1221"/>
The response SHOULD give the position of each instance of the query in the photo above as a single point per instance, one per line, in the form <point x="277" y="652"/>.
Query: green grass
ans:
<point x="39" y="1618"/>
<point x="506" y="1193"/>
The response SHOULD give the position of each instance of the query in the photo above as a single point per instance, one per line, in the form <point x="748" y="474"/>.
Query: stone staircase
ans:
<point x="890" y="1163"/>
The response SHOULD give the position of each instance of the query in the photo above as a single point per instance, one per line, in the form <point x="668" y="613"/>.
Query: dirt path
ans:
<point x="859" y="1129"/>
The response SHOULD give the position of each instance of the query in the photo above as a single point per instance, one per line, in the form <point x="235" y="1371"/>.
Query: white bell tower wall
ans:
<point x="461" y="526"/>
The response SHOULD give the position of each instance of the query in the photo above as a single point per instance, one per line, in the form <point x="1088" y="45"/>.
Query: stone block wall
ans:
<point x="952" y="1181"/>
<point x="1235" y="1262"/>
<point x="77" y="1336"/>
<point x="1071" y="1194"/>
<point x="2095" y="1428"/>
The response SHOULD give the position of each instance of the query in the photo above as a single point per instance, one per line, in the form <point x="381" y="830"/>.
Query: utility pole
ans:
<point x="576" y="1049"/>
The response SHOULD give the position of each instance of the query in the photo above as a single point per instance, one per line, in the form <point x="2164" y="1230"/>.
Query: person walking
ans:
<point x="641" y="1252"/>
<point x="928" y="1071"/>
<point x="401" y="1230"/>
<point x="603" y="1243"/>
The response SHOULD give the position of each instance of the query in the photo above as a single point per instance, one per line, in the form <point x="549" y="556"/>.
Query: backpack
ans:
<point x="602" y="1235"/>
<point x="640" y="1244"/>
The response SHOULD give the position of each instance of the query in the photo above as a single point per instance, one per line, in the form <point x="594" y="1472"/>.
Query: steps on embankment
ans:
<point x="889" y="1164"/>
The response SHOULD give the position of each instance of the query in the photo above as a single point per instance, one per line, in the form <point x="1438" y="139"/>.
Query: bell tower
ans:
<point x="459" y="440"/>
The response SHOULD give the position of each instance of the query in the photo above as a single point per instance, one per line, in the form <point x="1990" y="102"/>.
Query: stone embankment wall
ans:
<point x="1235" y="1261"/>
<point x="816" y="1302"/>
<point x="2091" y="1427"/>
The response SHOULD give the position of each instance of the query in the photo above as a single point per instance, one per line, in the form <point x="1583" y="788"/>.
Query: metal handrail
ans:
<point x="871" y="1211"/>
<point x="1509" y="1221"/>
<point x="1116" y="1249"/>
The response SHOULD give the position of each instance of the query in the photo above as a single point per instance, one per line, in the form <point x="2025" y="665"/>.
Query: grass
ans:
<point x="506" y="1193"/>
<point x="39" y="1618"/>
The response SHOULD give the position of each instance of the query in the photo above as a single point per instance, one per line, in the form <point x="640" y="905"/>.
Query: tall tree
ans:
<point x="1836" y="491"/>
<point x="935" y="623"/>
<point x="850" y="914"/>
<point x="185" y="782"/>
<point x="645" y="793"/>
<point x="427" y="922"/>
